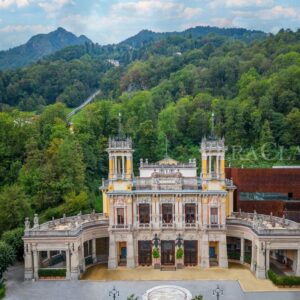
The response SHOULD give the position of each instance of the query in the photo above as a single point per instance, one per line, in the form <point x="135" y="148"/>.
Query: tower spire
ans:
<point x="212" y="124"/>
<point x="120" y="129"/>
<point x="166" y="154"/>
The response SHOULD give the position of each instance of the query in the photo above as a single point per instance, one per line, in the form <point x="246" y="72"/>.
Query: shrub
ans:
<point x="199" y="297"/>
<point x="179" y="253"/>
<point x="14" y="239"/>
<point x="155" y="253"/>
<point x="132" y="297"/>
<point x="283" y="280"/>
<point x="52" y="272"/>
<point x="234" y="255"/>
<point x="88" y="260"/>
<point x="2" y="290"/>
<point x="247" y="259"/>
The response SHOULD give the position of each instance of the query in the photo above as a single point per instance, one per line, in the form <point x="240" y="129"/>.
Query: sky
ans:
<point x="111" y="21"/>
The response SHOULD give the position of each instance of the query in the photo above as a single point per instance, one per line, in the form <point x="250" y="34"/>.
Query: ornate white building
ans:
<point x="147" y="218"/>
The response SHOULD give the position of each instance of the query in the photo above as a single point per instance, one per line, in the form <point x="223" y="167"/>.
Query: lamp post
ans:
<point x="218" y="292"/>
<point x="114" y="293"/>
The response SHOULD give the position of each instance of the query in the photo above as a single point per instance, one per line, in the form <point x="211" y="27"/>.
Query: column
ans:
<point x="223" y="259"/>
<point x="74" y="263"/>
<point x="204" y="212"/>
<point x="209" y="159"/>
<point x="136" y="214"/>
<point x="267" y="259"/>
<point x="123" y="167"/>
<point x="129" y="211"/>
<point x="94" y="255"/>
<point x="110" y="167"/>
<point x="68" y="275"/>
<point x="112" y="258"/>
<point x="242" y="247"/>
<point x="130" y="251"/>
<point x="28" y="274"/>
<point x="128" y="167"/>
<point x="204" y="252"/>
<point x="297" y="273"/>
<point x="35" y="264"/>
<point x="218" y="164"/>
<point x="260" y="267"/>
<point x="253" y="256"/>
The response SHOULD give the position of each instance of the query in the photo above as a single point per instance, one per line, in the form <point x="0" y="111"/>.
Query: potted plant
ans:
<point x="179" y="258"/>
<point x="156" y="256"/>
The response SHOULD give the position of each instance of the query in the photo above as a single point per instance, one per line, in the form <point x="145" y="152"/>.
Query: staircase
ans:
<point x="168" y="268"/>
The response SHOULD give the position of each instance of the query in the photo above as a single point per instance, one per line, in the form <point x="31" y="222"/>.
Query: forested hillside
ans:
<point x="169" y="88"/>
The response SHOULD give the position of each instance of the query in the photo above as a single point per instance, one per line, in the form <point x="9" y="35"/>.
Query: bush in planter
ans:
<point x="52" y="272"/>
<point x="132" y="297"/>
<point x="234" y="255"/>
<point x="155" y="253"/>
<point x="247" y="259"/>
<point x="283" y="280"/>
<point x="199" y="297"/>
<point x="179" y="253"/>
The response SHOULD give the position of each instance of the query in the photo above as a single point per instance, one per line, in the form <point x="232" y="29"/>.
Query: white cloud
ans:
<point x="32" y="29"/>
<point x="147" y="8"/>
<point x="18" y="3"/>
<point x="273" y="13"/>
<point x="240" y="3"/>
<point x="53" y="6"/>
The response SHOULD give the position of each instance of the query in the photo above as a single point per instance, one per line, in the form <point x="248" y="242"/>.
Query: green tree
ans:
<point x="7" y="257"/>
<point x="14" y="207"/>
<point x="14" y="239"/>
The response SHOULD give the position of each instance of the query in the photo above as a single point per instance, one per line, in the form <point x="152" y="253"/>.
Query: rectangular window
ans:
<point x="190" y="213"/>
<point x="167" y="213"/>
<point x="120" y="215"/>
<point x="260" y="196"/>
<point x="214" y="215"/>
<point x="144" y="213"/>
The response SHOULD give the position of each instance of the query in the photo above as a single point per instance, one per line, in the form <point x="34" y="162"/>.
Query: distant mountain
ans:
<point x="148" y="36"/>
<point x="39" y="46"/>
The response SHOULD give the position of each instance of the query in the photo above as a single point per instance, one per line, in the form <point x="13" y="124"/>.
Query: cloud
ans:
<point x="18" y="3"/>
<point x="240" y="3"/>
<point x="33" y="29"/>
<point x="273" y="13"/>
<point x="53" y="6"/>
<point x="155" y="8"/>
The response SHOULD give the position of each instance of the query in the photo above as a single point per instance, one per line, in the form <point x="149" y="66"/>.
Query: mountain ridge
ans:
<point x="39" y="46"/>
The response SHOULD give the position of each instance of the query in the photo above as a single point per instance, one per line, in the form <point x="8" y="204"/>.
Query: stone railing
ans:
<point x="68" y="226"/>
<point x="264" y="224"/>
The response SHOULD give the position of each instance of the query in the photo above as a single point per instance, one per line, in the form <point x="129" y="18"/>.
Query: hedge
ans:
<point x="283" y="280"/>
<point x="52" y="272"/>
<point x="234" y="255"/>
<point x="89" y="260"/>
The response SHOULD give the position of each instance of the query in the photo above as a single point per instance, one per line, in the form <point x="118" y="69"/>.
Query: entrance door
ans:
<point x="167" y="252"/>
<point x="145" y="253"/>
<point x="212" y="252"/>
<point x="190" y="253"/>
<point x="123" y="252"/>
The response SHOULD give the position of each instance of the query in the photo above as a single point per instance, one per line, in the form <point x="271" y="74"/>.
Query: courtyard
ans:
<point x="237" y="282"/>
<point x="235" y="272"/>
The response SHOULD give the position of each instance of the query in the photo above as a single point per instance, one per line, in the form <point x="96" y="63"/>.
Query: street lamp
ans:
<point x="114" y="293"/>
<point x="218" y="292"/>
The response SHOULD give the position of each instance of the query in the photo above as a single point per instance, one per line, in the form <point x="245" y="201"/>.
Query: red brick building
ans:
<point x="275" y="190"/>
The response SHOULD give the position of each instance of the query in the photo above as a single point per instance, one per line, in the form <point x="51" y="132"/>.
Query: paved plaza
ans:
<point x="17" y="289"/>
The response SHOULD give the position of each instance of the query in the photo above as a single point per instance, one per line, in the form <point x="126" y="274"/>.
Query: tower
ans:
<point x="120" y="173"/>
<point x="213" y="161"/>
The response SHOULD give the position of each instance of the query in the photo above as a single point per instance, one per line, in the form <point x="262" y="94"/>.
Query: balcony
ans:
<point x="121" y="227"/>
<point x="144" y="225"/>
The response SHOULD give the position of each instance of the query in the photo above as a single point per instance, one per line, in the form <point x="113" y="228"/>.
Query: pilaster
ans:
<point x="204" y="252"/>
<point x="28" y="275"/>
<point x="112" y="258"/>
<point x="130" y="251"/>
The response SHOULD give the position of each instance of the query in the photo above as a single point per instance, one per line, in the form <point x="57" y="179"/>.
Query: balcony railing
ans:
<point x="121" y="226"/>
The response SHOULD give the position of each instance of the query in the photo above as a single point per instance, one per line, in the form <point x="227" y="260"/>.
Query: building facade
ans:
<point x="167" y="217"/>
<point x="266" y="190"/>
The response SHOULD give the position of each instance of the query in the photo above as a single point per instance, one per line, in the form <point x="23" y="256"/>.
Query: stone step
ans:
<point x="168" y="268"/>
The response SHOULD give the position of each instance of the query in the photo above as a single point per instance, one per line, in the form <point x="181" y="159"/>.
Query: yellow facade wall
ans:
<point x="105" y="203"/>
<point x="204" y="167"/>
